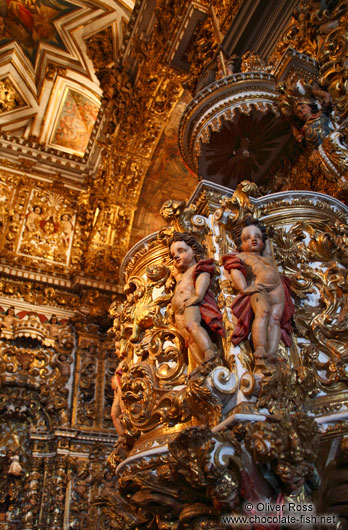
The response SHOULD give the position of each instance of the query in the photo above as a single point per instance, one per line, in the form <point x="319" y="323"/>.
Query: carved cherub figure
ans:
<point x="33" y="218"/>
<point x="117" y="406"/>
<point x="193" y="302"/>
<point x="9" y="320"/>
<point x="315" y="123"/>
<point x="309" y="109"/>
<point x="53" y="327"/>
<point x="66" y="228"/>
<point x="264" y="303"/>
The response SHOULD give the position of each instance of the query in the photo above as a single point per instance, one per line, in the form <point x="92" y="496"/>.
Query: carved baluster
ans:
<point x="32" y="495"/>
<point x="57" y="514"/>
<point x="48" y="485"/>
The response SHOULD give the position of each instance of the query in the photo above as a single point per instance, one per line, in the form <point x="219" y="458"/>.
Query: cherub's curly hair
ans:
<point x="250" y="221"/>
<point x="191" y="241"/>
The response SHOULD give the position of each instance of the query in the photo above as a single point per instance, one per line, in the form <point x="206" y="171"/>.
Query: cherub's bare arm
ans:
<point x="202" y="284"/>
<point x="268" y="253"/>
<point x="116" y="409"/>
<point x="322" y="95"/>
<point x="171" y="280"/>
<point x="238" y="280"/>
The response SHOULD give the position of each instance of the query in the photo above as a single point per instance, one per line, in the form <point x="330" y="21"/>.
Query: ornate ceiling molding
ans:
<point x="55" y="54"/>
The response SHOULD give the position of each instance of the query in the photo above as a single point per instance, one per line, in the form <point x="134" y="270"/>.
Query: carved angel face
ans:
<point x="303" y="111"/>
<point x="183" y="255"/>
<point x="252" y="240"/>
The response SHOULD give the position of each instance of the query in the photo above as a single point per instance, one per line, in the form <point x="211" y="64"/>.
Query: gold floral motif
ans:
<point x="9" y="97"/>
<point x="322" y="326"/>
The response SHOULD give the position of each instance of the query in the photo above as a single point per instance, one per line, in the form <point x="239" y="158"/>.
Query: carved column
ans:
<point x="32" y="497"/>
<point x="57" y="509"/>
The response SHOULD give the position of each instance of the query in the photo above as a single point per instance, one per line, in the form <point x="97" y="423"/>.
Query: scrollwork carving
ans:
<point x="209" y="460"/>
<point x="289" y="445"/>
<point x="323" y="332"/>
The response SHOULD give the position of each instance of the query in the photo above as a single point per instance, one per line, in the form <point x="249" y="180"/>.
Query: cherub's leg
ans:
<point x="274" y="330"/>
<point x="115" y="413"/>
<point x="262" y="311"/>
<point x="277" y="296"/>
<point x="199" y="341"/>
<point x="117" y="406"/>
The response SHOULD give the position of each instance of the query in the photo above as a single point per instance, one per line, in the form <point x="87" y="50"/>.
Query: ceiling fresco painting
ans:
<point x="44" y="51"/>
<point x="75" y="122"/>
<point x="30" y="23"/>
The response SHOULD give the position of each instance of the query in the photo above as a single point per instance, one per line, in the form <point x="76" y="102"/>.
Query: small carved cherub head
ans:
<point x="65" y="217"/>
<point x="190" y="240"/>
<point x="185" y="250"/>
<point x="247" y="227"/>
<point x="304" y="109"/>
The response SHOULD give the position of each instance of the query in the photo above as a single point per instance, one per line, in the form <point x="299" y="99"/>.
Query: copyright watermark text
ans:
<point x="273" y="514"/>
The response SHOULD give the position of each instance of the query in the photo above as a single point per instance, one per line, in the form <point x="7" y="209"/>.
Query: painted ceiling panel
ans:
<point x="32" y="23"/>
<point x="43" y="51"/>
<point x="75" y="122"/>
